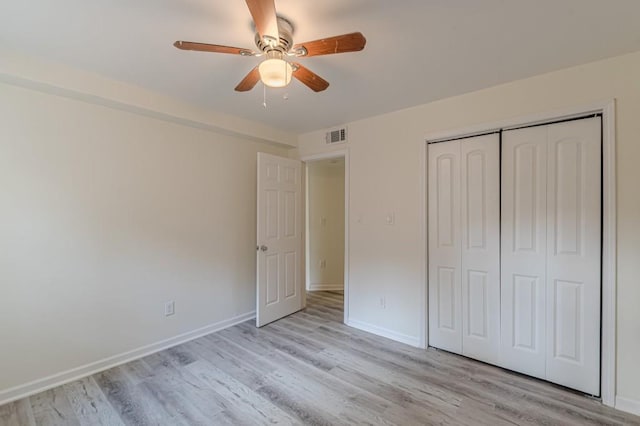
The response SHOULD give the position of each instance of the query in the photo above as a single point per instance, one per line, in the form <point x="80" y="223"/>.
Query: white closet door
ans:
<point x="480" y="229"/>
<point x="573" y="254"/>
<point x="445" y="319"/>
<point x="523" y="250"/>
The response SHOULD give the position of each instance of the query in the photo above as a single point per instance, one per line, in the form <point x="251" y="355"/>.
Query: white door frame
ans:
<point x="317" y="157"/>
<point x="609" y="222"/>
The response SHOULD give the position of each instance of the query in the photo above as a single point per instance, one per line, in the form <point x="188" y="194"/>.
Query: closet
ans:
<point x="514" y="250"/>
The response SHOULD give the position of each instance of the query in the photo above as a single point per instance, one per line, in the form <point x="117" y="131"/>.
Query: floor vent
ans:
<point x="336" y="136"/>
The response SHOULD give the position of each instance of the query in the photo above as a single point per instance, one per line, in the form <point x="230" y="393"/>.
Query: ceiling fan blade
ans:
<point x="265" y="18"/>
<point x="249" y="81"/>
<point x="309" y="78"/>
<point x="215" y="48"/>
<point x="327" y="46"/>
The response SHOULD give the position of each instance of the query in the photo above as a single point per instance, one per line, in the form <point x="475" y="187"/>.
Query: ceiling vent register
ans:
<point x="336" y="136"/>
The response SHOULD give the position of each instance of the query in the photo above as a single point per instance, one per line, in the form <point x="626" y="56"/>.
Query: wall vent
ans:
<point x="336" y="136"/>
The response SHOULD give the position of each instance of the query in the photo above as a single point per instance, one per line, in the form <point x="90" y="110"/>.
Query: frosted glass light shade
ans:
<point x="275" y="72"/>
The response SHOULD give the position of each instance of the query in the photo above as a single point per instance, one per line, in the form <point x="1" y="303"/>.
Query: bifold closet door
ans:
<point x="523" y="250"/>
<point x="445" y="263"/>
<point x="551" y="252"/>
<point x="480" y="249"/>
<point x="464" y="280"/>
<point x="574" y="254"/>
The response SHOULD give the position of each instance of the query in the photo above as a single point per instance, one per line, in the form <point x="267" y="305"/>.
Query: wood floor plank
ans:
<point x="308" y="368"/>
<point x="181" y="394"/>
<point x="246" y="405"/>
<point x="137" y="371"/>
<point x="130" y="400"/>
<point x="53" y="408"/>
<point x="249" y="374"/>
<point x="90" y="404"/>
<point x="18" y="413"/>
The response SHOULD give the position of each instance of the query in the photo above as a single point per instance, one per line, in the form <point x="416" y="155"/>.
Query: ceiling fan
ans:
<point x="274" y="40"/>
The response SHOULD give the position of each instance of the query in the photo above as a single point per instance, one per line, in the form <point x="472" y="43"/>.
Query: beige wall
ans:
<point x="326" y="224"/>
<point x="385" y="176"/>
<point x="104" y="216"/>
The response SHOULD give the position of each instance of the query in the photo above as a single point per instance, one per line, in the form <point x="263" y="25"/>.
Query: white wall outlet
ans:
<point x="323" y="263"/>
<point x="169" y="308"/>
<point x="323" y="221"/>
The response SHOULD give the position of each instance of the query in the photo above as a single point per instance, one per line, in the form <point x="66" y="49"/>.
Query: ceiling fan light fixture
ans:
<point x="274" y="42"/>
<point x="275" y="71"/>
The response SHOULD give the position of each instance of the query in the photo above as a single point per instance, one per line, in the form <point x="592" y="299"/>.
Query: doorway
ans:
<point x="326" y="224"/>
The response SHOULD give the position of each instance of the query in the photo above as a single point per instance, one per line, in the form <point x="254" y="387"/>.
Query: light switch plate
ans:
<point x="169" y="308"/>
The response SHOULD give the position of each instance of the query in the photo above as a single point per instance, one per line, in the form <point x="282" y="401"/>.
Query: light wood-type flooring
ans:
<point x="308" y="368"/>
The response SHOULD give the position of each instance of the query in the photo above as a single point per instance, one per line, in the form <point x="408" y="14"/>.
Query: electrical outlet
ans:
<point x="390" y="219"/>
<point x="169" y="308"/>
<point x="383" y="303"/>
<point x="323" y="263"/>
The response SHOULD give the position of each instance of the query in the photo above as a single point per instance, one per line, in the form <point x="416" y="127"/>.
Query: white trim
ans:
<point x="384" y="332"/>
<point x="305" y="237"/>
<point x="609" y="255"/>
<point x="424" y="234"/>
<point x="325" y="287"/>
<point x="609" y="231"/>
<point x="628" y="405"/>
<point x="40" y="385"/>
<point x="347" y="209"/>
<point x="530" y="119"/>
<point x="307" y="233"/>
<point x="325" y="156"/>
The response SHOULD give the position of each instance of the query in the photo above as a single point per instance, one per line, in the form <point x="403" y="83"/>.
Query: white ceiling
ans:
<point x="417" y="50"/>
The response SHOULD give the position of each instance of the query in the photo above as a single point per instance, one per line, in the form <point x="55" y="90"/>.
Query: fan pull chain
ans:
<point x="264" y="96"/>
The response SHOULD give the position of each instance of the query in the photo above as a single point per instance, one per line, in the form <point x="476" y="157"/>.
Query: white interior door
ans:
<point x="523" y="250"/>
<point x="573" y="254"/>
<point x="445" y="304"/>
<point x="279" y="222"/>
<point x="480" y="232"/>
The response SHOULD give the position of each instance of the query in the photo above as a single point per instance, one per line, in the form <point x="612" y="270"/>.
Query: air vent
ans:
<point x="336" y="136"/>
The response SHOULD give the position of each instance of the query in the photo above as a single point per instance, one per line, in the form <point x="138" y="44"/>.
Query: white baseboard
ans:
<point x="380" y="331"/>
<point x="627" y="404"/>
<point x="326" y="287"/>
<point x="37" y="386"/>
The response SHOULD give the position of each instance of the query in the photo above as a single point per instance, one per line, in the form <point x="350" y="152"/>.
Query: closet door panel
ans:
<point x="573" y="254"/>
<point x="523" y="250"/>
<point x="445" y="318"/>
<point x="480" y="231"/>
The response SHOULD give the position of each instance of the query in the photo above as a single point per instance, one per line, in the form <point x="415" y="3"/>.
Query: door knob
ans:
<point x="264" y="248"/>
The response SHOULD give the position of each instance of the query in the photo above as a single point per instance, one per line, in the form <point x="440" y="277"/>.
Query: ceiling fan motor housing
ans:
<point x="285" y="41"/>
